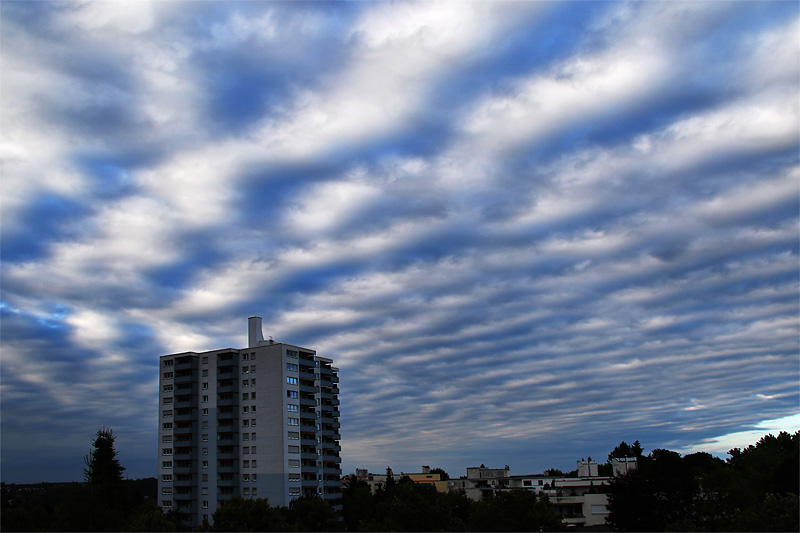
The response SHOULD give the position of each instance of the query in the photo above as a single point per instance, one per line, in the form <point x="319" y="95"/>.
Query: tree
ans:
<point x="107" y="504"/>
<point x="358" y="504"/>
<point x="148" y="517"/>
<point x="623" y="449"/>
<point x="312" y="513"/>
<point x="442" y="474"/>
<point x="515" y="510"/>
<point x="755" y="490"/>
<point x="239" y="514"/>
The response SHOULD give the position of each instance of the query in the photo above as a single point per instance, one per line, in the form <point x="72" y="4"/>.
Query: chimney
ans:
<point x="254" y="334"/>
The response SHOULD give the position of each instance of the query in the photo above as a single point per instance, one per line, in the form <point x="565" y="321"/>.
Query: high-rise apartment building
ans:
<point x="256" y="422"/>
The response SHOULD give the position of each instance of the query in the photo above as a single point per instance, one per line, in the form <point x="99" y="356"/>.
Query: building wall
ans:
<point x="231" y="422"/>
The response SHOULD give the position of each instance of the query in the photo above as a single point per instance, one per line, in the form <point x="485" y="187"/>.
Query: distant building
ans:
<point x="580" y="501"/>
<point x="256" y="422"/>
<point x="426" y="478"/>
<point x="481" y="481"/>
<point x="378" y="481"/>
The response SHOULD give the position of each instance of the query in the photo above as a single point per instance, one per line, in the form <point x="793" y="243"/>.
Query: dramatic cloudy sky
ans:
<point x="524" y="231"/>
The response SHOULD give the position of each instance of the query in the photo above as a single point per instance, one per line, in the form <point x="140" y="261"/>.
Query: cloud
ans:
<point x="524" y="232"/>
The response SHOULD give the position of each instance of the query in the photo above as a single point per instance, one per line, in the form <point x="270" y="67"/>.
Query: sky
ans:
<point x="524" y="231"/>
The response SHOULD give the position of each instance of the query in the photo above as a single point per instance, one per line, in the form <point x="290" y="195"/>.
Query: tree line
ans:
<point x="756" y="489"/>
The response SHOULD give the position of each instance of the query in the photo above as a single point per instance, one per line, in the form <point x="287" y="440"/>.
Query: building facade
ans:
<point x="256" y="422"/>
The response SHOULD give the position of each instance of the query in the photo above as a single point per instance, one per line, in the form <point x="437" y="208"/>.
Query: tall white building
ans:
<point x="257" y="422"/>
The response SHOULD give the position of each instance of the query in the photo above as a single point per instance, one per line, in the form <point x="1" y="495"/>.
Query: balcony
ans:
<point x="307" y="388"/>
<point x="190" y="365"/>
<point x="190" y="495"/>
<point x="183" y="481"/>
<point x="307" y="415"/>
<point x="228" y="468"/>
<point x="229" y="388"/>
<point x="309" y="455"/>
<point x="190" y="455"/>
<point x="309" y="402"/>
<point x="227" y="415"/>
<point x="233" y="454"/>
<point x="184" y="469"/>
<point x="306" y="374"/>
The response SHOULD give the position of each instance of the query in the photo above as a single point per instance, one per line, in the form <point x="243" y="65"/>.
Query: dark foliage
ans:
<point x="239" y="514"/>
<point x="755" y="490"/>
<point x="104" y="502"/>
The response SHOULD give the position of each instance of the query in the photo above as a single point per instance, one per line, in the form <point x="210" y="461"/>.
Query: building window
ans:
<point x="166" y="451"/>
<point x="205" y="451"/>
<point x="291" y="381"/>
<point x="291" y="394"/>
<point x="252" y="422"/>
<point x="205" y="437"/>
<point x="167" y="412"/>
<point x="293" y="421"/>
<point x="540" y="482"/>
<point x="291" y="408"/>
<point x="205" y="399"/>
<point x="205" y="504"/>
<point x="244" y="357"/>
<point x="252" y="369"/>
<point x="246" y="449"/>
<point x="205" y="387"/>
<point x="205" y="464"/>
<point x="166" y="438"/>
<point x="252" y="395"/>
<point x="246" y="491"/>
<point x="205" y="373"/>
<point x="166" y="503"/>
<point x="205" y="477"/>
<point x="252" y="449"/>
<point x="166" y="477"/>
<point x="254" y="464"/>
<point x="167" y="375"/>
<point x="245" y="396"/>
<point x="252" y="408"/>
<point x="527" y="483"/>
<point x="252" y="436"/>
<point x="166" y="490"/>
<point x="294" y="491"/>
<point x="205" y="359"/>
<point x="168" y="362"/>
<point x="245" y="370"/>
<point x="294" y="449"/>
<point x="255" y="491"/>
<point x="294" y="435"/>
<point x="294" y="463"/>
<point x="167" y="425"/>
<point x="245" y="436"/>
<point x="167" y="388"/>
<point x="205" y="491"/>
<point x="245" y="383"/>
<point x="253" y="382"/>
<point x="204" y="425"/>
<point x="205" y="411"/>
<point x="245" y="409"/>
<point x="294" y="477"/>
<point x="246" y="423"/>
<point x="291" y="353"/>
<point x="255" y="477"/>
<point x="166" y="464"/>
<point x="167" y="401"/>
<point x="245" y="477"/>
<point x="245" y="464"/>
<point x="291" y="366"/>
